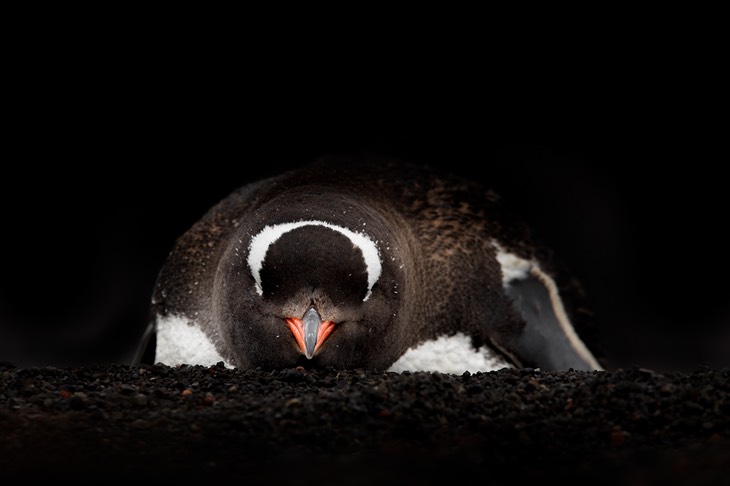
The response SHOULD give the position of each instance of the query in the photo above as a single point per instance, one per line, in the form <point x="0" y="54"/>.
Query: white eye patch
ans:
<point x="261" y="242"/>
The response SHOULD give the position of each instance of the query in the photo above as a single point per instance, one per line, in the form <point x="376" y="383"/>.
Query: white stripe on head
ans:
<point x="261" y="242"/>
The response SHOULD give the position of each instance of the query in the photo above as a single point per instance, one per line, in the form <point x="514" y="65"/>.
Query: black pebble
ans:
<point x="193" y="424"/>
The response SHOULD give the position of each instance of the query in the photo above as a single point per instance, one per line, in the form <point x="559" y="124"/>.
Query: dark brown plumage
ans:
<point x="442" y="243"/>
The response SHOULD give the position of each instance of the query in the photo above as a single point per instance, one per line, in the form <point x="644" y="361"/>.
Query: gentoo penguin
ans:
<point x="363" y="262"/>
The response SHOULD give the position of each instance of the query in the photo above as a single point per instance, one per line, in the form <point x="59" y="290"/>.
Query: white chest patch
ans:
<point x="449" y="354"/>
<point x="181" y="342"/>
<point x="261" y="242"/>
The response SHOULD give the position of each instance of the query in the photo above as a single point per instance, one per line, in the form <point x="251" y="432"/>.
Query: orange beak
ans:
<point x="310" y="331"/>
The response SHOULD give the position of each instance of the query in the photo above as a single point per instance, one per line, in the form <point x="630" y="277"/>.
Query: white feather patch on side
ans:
<point x="513" y="267"/>
<point x="449" y="354"/>
<point x="180" y="341"/>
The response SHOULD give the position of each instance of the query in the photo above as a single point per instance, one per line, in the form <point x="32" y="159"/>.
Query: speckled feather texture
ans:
<point x="437" y="252"/>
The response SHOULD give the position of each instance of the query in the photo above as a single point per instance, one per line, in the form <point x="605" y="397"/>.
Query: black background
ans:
<point x="109" y="158"/>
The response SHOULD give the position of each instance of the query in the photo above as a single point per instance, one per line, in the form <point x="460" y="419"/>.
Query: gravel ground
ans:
<point x="192" y="424"/>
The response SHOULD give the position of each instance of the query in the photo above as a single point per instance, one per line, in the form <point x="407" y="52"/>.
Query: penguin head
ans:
<point x="311" y="290"/>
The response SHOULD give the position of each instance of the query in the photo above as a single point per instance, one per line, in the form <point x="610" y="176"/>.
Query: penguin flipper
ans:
<point x="145" y="353"/>
<point x="548" y="339"/>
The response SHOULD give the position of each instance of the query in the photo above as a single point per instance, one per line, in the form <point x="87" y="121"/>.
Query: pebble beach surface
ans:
<point x="193" y="425"/>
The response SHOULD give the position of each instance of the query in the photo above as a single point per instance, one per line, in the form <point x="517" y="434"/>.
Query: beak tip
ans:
<point x="310" y="331"/>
